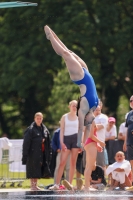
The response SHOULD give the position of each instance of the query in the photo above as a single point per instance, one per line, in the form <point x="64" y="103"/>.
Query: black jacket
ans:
<point x="37" y="161"/>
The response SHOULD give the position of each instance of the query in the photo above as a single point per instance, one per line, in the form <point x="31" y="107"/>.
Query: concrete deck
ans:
<point x="13" y="190"/>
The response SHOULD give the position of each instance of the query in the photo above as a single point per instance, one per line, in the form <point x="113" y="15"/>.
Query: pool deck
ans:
<point x="28" y="189"/>
<point x="20" y="193"/>
<point x="13" y="190"/>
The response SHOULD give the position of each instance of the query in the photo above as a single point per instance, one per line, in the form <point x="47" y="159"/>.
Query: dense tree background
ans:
<point x="33" y="78"/>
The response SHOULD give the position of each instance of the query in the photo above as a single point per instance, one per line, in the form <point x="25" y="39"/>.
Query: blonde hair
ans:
<point x="73" y="101"/>
<point x="38" y="114"/>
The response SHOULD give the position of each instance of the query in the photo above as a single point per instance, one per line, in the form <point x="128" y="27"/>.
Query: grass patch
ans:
<point x="25" y="184"/>
<point x="6" y="174"/>
<point x="12" y="179"/>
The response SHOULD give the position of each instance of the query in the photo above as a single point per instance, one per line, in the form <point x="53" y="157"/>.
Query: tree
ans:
<point x="100" y="32"/>
<point x="62" y="93"/>
<point x="26" y="73"/>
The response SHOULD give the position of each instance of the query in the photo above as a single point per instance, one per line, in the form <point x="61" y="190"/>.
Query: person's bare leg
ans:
<point x="112" y="180"/>
<point x="83" y="110"/>
<point x="73" y="159"/>
<point x="57" y="46"/>
<point x="131" y="162"/>
<point x="114" y="183"/>
<point x="83" y="64"/>
<point x="67" y="167"/>
<point x="57" y="165"/>
<point x="90" y="149"/>
<point x="78" y="176"/>
<point x="33" y="182"/>
<point x="109" y="179"/>
<point x="58" y="40"/>
<point x="64" y="156"/>
<point x="74" y="67"/>
<point x="81" y="117"/>
<point x="76" y="73"/>
<point x="127" y="183"/>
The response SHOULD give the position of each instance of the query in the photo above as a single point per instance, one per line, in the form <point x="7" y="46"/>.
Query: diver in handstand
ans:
<point x="80" y="75"/>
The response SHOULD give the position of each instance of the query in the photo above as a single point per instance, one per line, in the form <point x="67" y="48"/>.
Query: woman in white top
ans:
<point x="122" y="130"/>
<point x="111" y="132"/>
<point x="68" y="140"/>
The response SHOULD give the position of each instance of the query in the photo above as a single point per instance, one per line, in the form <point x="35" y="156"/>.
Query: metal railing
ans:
<point x="11" y="169"/>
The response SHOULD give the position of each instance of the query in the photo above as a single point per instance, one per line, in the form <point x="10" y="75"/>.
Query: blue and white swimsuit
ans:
<point x="91" y="93"/>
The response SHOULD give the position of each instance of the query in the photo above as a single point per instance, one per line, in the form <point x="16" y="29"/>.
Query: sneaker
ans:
<point x="62" y="187"/>
<point x="67" y="185"/>
<point x="79" y="184"/>
<point x="119" y="189"/>
<point x="54" y="187"/>
<point x="129" y="188"/>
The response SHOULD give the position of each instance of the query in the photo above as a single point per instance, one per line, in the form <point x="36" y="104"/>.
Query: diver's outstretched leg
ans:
<point x="81" y="117"/>
<point x="55" y="44"/>
<point x="76" y="56"/>
<point x="83" y="110"/>
<point x="58" y="40"/>
<point x="74" y="67"/>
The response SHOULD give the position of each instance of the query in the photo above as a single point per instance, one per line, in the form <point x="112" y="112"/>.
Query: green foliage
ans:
<point x="104" y="41"/>
<point x="122" y="109"/>
<point x="26" y="73"/>
<point x="31" y="74"/>
<point x="62" y="93"/>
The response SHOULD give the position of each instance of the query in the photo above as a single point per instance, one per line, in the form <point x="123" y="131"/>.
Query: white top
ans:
<point x="5" y="143"/>
<point x="71" y="127"/>
<point x="123" y="129"/>
<point x="125" y="164"/>
<point x="112" y="132"/>
<point x="101" y="119"/>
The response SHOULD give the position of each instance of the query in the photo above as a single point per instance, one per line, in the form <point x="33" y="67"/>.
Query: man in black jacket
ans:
<point x="36" y="151"/>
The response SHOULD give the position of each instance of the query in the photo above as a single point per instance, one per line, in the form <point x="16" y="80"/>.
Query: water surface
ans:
<point x="67" y="195"/>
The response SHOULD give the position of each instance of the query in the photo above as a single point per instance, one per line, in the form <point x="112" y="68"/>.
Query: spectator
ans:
<point x="101" y="121"/>
<point x="36" y="151"/>
<point x="81" y="76"/>
<point x="97" y="178"/>
<point x="128" y="143"/>
<point x="111" y="132"/>
<point x="122" y="130"/>
<point x="68" y="141"/>
<point x="120" y="172"/>
<point x="92" y="145"/>
<point x="57" y="153"/>
<point x="97" y="181"/>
